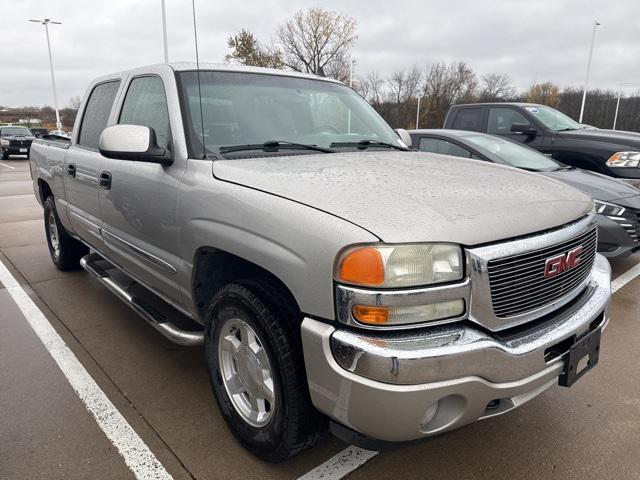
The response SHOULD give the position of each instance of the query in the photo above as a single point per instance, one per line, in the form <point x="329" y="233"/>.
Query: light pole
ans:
<point x="46" y="23"/>
<point x="164" y="33"/>
<point x="352" y="62"/>
<point x="586" y="80"/>
<point x="418" y="111"/>
<point x="615" y="117"/>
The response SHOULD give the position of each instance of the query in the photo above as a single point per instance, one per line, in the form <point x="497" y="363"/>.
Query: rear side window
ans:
<point x="437" y="145"/>
<point x="146" y="104"/>
<point x="501" y="119"/>
<point x="96" y="114"/>
<point x="468" y="119"/>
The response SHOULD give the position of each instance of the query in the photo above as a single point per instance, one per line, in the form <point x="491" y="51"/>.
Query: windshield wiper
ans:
<point x="564" y="168"/>
<point x="567" y="129"/>
<point x="274" y="146"/>
<point x="364" y="144"/>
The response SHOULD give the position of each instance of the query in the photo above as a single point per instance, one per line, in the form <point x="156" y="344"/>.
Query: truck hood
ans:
<point x="18" y="137"/>
<point x="415" y="196"/>
<point x="617" y="137"/>
<point x="596" y="185"/>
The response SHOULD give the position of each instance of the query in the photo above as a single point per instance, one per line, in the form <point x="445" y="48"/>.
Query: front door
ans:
<point x="501" y="119"/>
<point x="139" y="207"/>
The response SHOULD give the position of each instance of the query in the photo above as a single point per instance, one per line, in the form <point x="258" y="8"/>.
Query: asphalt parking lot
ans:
<point x="161" y="390"/>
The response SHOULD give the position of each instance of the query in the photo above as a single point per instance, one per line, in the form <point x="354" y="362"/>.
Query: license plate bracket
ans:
<point x="23" y="150"/>
<point x="587" y="347"/>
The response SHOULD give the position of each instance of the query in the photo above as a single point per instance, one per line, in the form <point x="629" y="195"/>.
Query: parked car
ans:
<point x="611" y="152"/>
<point x="281" y="215"/>
<point x="39" y="132"/>
<point x="15" y="141"/>
<point x="617" y="202"/>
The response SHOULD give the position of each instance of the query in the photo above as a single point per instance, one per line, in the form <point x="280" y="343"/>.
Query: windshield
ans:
<point x="15" y="131"/>
<point x="515" y="155"/>
<point x="252" y="108"/>
<point x="553" y="119"/>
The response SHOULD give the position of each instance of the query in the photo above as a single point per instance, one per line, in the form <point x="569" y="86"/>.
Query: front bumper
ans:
<point x="406" y="386"/>
<point x="614" y="240"/>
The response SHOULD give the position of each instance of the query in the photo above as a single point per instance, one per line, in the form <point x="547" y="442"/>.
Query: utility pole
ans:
<point x="586" y="80"/>
<point x="418" y="111"/>
<point x="46" y="23"/>
<point x="164" y="32"/>
<point x="352" y="62"/>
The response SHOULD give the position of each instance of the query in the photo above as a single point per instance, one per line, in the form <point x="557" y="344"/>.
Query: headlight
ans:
<point x="397" y="266"/>
<point x="608" y="209"/>
<point x="624" y="159"/>
<point x="4" y="142"/>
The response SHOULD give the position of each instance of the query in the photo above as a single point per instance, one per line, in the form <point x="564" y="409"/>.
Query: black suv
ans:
<point x="551" y="132"/>
<point x="15" y="141"/>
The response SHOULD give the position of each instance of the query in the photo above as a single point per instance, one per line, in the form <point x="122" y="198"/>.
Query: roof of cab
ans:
<point x="224" y="67"/>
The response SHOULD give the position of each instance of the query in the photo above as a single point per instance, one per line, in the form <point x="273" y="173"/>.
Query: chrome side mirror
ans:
<point x="404" y="136"/>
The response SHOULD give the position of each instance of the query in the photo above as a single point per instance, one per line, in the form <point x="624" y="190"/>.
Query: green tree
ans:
<point x="247" y="50"/>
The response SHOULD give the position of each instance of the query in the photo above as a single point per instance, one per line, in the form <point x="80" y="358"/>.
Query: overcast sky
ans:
<point x="536" y="40"/>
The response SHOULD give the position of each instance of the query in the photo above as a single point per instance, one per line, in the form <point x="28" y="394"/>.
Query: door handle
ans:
<point x="71" y="170"/>
<point x="105" y="180"/>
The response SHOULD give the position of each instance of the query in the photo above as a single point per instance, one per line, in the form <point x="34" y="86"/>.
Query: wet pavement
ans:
<point x="589" y="431"/>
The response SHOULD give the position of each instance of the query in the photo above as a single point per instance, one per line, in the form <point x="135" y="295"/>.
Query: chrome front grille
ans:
<point x="518" y="283"/>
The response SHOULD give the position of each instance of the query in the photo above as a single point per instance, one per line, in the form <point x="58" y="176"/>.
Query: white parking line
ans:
<point x="625" y="278"/>
<point x="8" y="166"/>
<point x="341" y="464"/>
<point x="353" y="457"/>
<point x="140" y="460"/>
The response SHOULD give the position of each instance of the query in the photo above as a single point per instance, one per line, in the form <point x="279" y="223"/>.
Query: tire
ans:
<point x="5" y="156"/>
<point x="65" y="250"/>
<point x="289" y="423"/>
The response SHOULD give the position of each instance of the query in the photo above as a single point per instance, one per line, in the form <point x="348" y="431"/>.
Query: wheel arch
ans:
<point x="213" y="268"/>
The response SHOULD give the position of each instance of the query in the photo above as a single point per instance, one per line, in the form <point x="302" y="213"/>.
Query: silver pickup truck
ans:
<point x="331" y="272"/>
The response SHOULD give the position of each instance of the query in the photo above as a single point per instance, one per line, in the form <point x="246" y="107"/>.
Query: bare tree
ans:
<point x="375" y="88"/>
<point x="246" y="49"/>
<point x="545" y="93"/>
<point x="318" y="41"/>
<point x="496" y="86"/>
<point x="75" y="102"/>
<point x="404" y="84"/>
<point x="446" y="84"/>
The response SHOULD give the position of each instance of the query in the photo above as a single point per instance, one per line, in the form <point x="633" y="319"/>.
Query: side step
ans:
<point x="142" y="301"/>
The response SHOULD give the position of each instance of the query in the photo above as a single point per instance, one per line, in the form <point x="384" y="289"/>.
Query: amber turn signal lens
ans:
<point x="362" y="266"/>
<point x="371" y="315"/>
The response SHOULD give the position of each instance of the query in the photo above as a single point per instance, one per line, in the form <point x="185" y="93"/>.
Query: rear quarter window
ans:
<point x="96" y="113"/>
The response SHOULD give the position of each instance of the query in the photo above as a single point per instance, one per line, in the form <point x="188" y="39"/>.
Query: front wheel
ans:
<point x="65" y="250"/>
<point x="5" y="155"/>
<point x="257" y="372"/>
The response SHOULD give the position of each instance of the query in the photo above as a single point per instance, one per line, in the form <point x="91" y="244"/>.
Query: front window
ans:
<point x="252" y="108"/>
<point x="15" y="131"/>
<point x="515" y="155"/>
<point x="553" y="119"/>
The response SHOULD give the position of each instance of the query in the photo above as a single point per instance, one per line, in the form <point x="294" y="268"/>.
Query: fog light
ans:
<point x="407" y="315"/>
<point x="429" y="414"/>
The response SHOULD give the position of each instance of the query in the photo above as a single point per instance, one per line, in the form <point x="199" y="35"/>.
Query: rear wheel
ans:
<point x="65" y="250"/>
<point x="257" y="371"/>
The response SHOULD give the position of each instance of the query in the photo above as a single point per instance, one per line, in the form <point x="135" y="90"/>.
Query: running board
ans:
<point x="133" y="294"/>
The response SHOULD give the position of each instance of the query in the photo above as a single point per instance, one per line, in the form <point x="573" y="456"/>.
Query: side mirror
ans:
<point x="524" y="129"/>
<point x="133" y="142"/>
<point x="404" y="136"/>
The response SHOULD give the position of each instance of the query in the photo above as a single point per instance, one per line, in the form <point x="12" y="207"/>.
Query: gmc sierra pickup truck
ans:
<point x="611" y="152"/>
<point x="329" y="271"/>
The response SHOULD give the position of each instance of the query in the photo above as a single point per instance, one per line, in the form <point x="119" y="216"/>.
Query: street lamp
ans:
<point x="46" y="23"/>
<point x="352" y="62"/>
<point x="586" y="80"/>
<point x="418" y="111"/>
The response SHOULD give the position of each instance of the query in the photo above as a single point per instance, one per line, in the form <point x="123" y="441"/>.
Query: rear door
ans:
<point x="501" y="119"/>
<point x="139" y="207"/>
<point x="468" y="118"/>
<point x="83" y="161"/>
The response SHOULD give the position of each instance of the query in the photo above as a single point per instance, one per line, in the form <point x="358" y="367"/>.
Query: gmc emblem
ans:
<point x="561" y="263"/>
